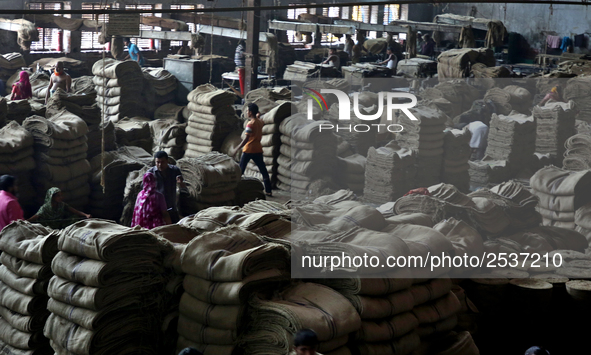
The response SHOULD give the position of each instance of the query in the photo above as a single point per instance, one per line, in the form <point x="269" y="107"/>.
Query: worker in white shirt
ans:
<point x="391" y="61"/>
<point x="479" y="139"/>
<point x="333" y="59"/>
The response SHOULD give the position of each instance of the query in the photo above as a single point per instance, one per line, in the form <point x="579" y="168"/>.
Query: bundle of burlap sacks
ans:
<point x="99" y="133"/>
<point x="425" y="137"/>
<point x="214" y="305"/>
<point x="456" y="154"/>
<point x="488" y="171"/>
<point x="307" y="153"/>
<point x="249" y="189"/>
<point x="108" y="177"/>
<point x="555" y="123"/>
<point x="81" y="105"/>
<point x="170" y="136"/>
<point x="18" y="110"/>
<point x="577" y="155"/>
<point x="211" y="181"/>
<point x="458" y="93"/>
<point x="3" y="111"/>
<point x="389" y="173"/>
<point x="162" y="83"/>
<point x="212" y="119"/>
<point x="578" y="90"/>
<point x="561" y="194"/>
<point x="134" y="131"/>
<point x="512" y="138"/>
<point x="107" y="290"/>
<point x="362" y="140"/>
<point x="16" y="158"/>
<point x="273" y="94"/>
<point x="27" y="252"/>
<point x="119" y="87"/>
<point x="511" y="98"/>
<point x="272" y="115"/>
<point x="10" y="62"/>
<point x="456" y="63"/>
<point x="60" y="154"/>
<point x="351" y="172"/>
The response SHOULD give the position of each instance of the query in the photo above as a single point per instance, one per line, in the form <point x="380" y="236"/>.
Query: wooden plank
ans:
<point x="310" y="27"/>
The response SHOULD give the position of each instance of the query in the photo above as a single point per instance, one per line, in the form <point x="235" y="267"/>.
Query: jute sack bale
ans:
<point x="403" y="345"/>
<point x="387" y="329"/>
<point x="579" y="290"/>
<point x="530" y="295"/>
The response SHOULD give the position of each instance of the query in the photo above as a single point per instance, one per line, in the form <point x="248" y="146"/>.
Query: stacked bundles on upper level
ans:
<point x="134" y="131"/>
<point x="578" y="90"/>
<point x="170" y="136"/>
<point x="512" y="138"/>
<point x="351" y="172"/>
<point x="60" y="154"/>
<point x="119" y="87"/>
<point x="389" y="173"/>
<point x="212" y="119"/>
<point x="107" y="290"/>
<point x="308" y="153"/>
<point x="555" y="123"/>
<point x="163" y="84"/>
<point x="27" y="252"/>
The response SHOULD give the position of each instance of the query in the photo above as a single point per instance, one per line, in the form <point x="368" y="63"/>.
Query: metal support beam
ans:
<point x="401" y="26"/>
<point x="311" y="27"/>
<point x="206" y="30"/>
<point x="9" y="26"/>
<point x="253" y="26"/>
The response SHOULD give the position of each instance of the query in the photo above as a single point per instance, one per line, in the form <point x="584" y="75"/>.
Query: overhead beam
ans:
<point x="311" y="27"/>
<point x="400" y="26"/>
<point x="219" y="21"/>
<point x="9" y="26"/>
<point x="253" y="26"/>
<point x="206" y="30"/>
<point x="475" y="25"/>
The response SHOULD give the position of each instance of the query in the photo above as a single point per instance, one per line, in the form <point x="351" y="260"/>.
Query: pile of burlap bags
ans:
<point x="456" y="63"/>
<point x="307" y="153"/>
<point x="555" y="123"/>
<point x="170" y="136"/>
<point x="18" y="110"/>
<point x="511" y="98"/>
<point x="211" y="181"/>
<point x="577" y="155"/>
<point x="512" y="138"/>
<point x="162" y="83"/>
<point x="3" y="111"/>
<point x="249" y="189"/>
<point x="134" y="131"/>
<point x="488" y="171"/>
<point x="561" y="194"/>
<point x="351" y="172"/>
<point x="212" y="119"/>
<point x="456" y="154"/>
<point x="60" y="155"/>
<point x="107" y="290"/>
<point x="274" y="94"/>
<point x="272" y="116"/>
<point x="83" y="106"/>
<point x="578" y="90"/>
<point x="27" y="252"/>
<point x="119" y="88"/>
<point x="214" y="306"/>
<point x="458" y="93"/>
<point x="16" y="158"/>
<point x="389" y="173"/>
<point x="96" y="134"/>
<point x="425" y="138"/>
<point x="9" y="63"/>
<point x="108" y="177"/>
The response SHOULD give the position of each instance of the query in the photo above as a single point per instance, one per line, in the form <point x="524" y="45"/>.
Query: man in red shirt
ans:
<point x="10" y="210"/>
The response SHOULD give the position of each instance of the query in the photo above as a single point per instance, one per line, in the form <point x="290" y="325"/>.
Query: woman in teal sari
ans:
<point x="55" y="213"/>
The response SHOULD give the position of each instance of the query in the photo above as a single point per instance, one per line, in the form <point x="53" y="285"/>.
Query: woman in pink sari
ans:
<point x="150" y="206"/>
<point x="21" y="90"/>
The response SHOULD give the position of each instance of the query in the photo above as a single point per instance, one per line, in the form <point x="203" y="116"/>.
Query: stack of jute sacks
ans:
<point x="425" y="137"/>
<point x="96" y="135"/>
<point x="272" y="117"/>
<point x="112" y="170"/>
<point x="27" y="252"/>
<point x="561" y="194"/>
<point x="3" y="111"/>
<point x="60" y="155"/>
<point x="162" y="82"/>
<point x="83" y="106"/>
<point x="309" y="153"/>
<point x="211" y="181"/>
<point x="169" y="135"/>
<point x="456" y="154"/>
<point x="578" y="152"/>
<point x="214" y="305"/>
<point x="107" y="290"/>
<point x="578" y="90"/>
<point x="119" y="87"/>
<point x="488" y="171"/>
<point x="212" y="119"/>
<point x="134" y="131"/>
<point x="389" y="172"/>
<point x="16" y="158"/>
<point x="18" y="110"/>
<point x="555" y="123"/>
<point x="351" y="172"/>
<point x="512" y="138"/>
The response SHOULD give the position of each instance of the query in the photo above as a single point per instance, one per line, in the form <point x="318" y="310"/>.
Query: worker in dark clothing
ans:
<point x="428" y="48"/>
<point x="167" y="178"/>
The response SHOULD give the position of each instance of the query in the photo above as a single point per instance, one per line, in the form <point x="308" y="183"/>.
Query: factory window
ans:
<point x="146" y="43"/>
<point x="391" y="13"/>
<point x="345" y="11"/>
<point x="89" y="39"/>
<point x="292" y="14"/>
<point x="373" y="19"/>
<point x="360" y="13"/>
<point x="330" y="12"/>
<point x="190" y="25"/>
<point x="51" y="39"/>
